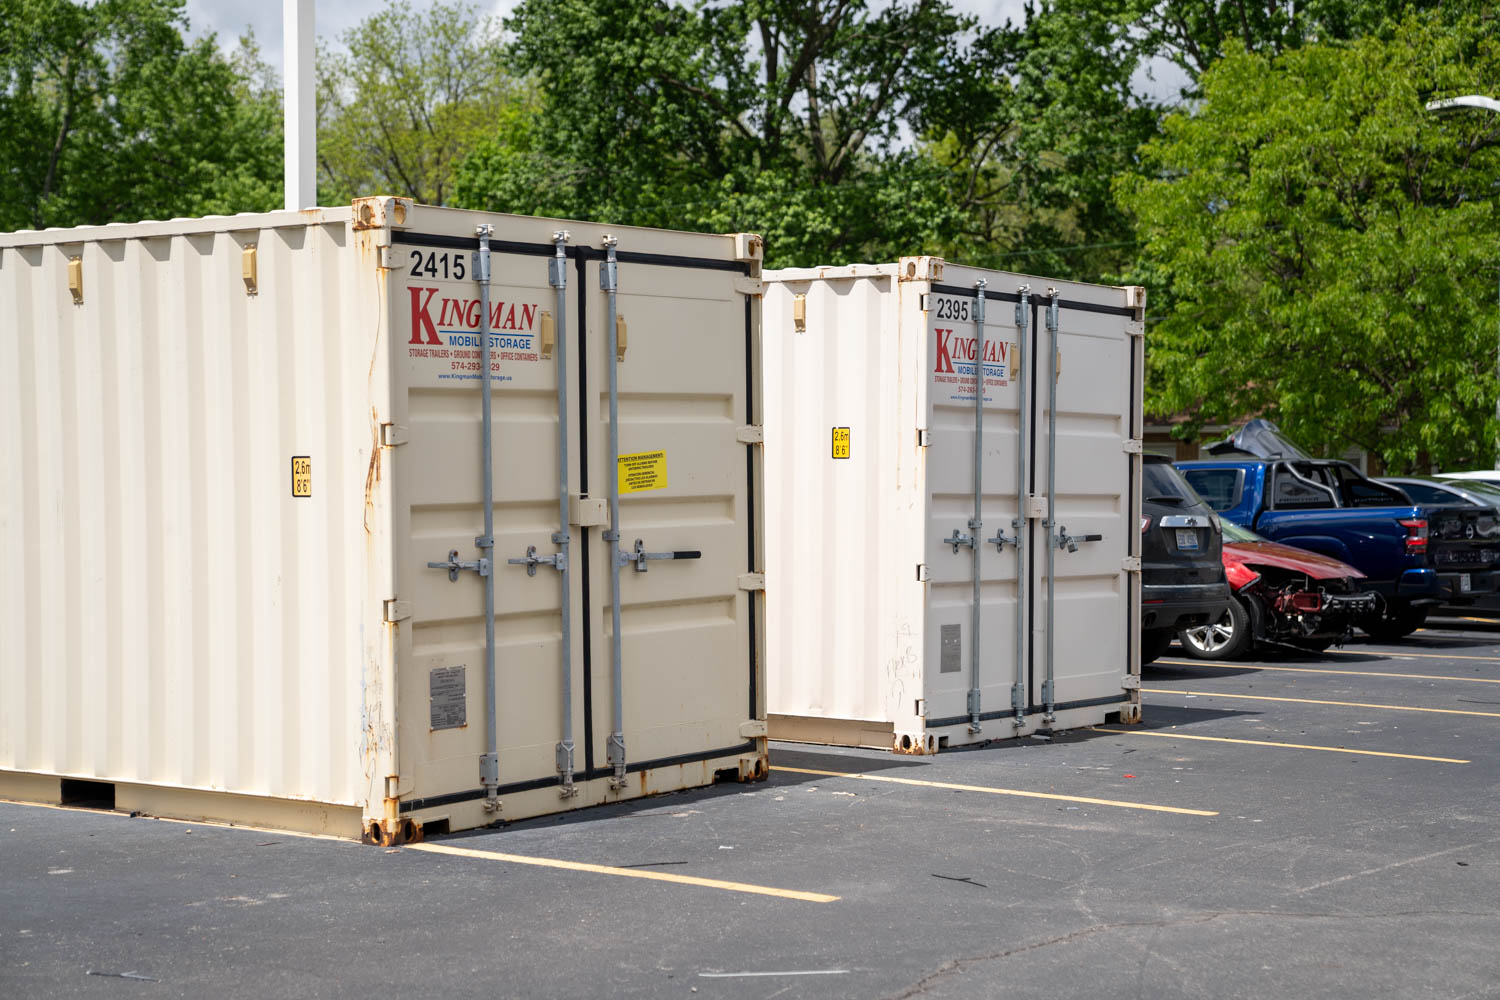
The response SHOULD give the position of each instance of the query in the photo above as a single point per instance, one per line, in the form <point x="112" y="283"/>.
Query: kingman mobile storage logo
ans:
<point x="962" y="349"/>
<point x="463" y="314"/>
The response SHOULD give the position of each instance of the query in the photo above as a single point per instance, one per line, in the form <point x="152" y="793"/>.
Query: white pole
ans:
<point x="301" y="145"/>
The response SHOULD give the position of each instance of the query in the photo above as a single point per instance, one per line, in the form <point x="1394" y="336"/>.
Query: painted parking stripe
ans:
<point x="1313" y="701"/>
<point x="1283" y="746"/>
<point x="996" y="791"/>
<point x="578" y="866"/>
<point x="1314" y="670"/>
<point x="1411" y="656"/>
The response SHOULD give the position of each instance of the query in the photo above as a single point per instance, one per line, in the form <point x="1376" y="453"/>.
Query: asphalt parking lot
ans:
<point x="1299" y="825"/>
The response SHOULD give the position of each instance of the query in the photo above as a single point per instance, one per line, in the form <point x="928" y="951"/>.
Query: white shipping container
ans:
<point x="893" y="540"/>
<point x="237" y="447"/>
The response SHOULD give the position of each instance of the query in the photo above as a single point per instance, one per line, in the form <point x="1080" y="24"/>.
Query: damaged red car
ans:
<point x="1279" y="596"/>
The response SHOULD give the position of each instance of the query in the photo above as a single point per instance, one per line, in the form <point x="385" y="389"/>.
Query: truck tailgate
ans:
<point x="1461" y="537"/>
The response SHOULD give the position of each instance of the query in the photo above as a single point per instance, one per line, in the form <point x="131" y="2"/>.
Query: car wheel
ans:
<point x="1225" y="639"/>
<point x="1399" y="621"/>
<point x="1154" y="642"/>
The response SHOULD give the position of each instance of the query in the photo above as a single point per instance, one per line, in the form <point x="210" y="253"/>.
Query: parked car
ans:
<point x="1473" y="492"/>
<point x="1464" y="492"/>
<point x="1490" y="477"/>
<point x="1182" y="569"/>
<point x="1281" y="595"/>
<point x="1414" y="556"/>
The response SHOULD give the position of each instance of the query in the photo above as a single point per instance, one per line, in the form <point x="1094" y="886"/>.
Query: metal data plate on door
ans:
<point x="448" y="700"/>
<point x="951" y="657"/>
<point x="1187" y="538"/>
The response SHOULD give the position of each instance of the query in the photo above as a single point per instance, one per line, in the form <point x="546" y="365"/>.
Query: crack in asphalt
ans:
<point x="957" y="965"/>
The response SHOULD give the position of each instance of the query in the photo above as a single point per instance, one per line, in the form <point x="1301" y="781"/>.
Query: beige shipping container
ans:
<point x="947" y="566"/>
<point x="242" y="534"/>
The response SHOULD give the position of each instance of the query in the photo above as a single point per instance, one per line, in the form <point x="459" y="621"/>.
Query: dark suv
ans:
<point x="1182" y="572"/>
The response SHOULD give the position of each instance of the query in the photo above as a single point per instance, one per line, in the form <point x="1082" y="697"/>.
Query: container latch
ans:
<point x="454" y="565"/>
<point x="640" y="555"/>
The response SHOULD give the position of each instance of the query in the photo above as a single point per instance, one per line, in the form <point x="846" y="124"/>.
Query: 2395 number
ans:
<point x="953" y="309"/>
<point x="451" y="266"/>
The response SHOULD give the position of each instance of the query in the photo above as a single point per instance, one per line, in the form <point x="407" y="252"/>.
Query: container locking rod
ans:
<point x="489" y="767"/>
<point x="610" y="284"/>
<point x="1023" y="490"/>
<point x="976" y="523"/>
<point x="1049" y="700"/>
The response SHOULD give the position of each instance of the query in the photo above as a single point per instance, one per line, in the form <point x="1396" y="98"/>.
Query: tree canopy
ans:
<point x="408" y="97"/>
<point x="1329" y="247"/>
<point x="107" y="113"/>
<point x="782" y="116"/>
<point x="1317" y="247"/>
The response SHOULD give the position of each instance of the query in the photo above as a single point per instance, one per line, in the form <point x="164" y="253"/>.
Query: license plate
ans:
<point x="1464" y="586"/>
<point x="1187" y="538"/>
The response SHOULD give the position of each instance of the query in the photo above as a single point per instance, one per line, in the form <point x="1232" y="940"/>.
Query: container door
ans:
<point x="971" y="559"/>
<point x="668" y="351"/>
<point x="440" y="510"/>
<point x="1083" y="475"/>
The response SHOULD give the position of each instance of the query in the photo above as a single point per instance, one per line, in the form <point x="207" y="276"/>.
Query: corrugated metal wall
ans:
<point x="183" y="619"/>
<point x="843" y="601"/>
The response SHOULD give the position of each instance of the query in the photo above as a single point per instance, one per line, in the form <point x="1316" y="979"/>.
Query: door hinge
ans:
<point x="924" y="437"/>
<point x="924" y="302"/>
<point x="745" y="285"/>
<point x="392" y="435"/>
<point x="753" y="728"/>
<point x="752" y="581"/>
<point x="750" y="434"/>
<point x="1131" y="564"/>
<point x="386" y="258"/>
<point x="397" y="611"/>
<point x="922" y="574"/>
<point x="1131" y="446"/>
<point x="1130" y="682"/>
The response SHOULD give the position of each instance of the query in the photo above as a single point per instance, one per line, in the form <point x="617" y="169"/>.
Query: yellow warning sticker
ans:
<point x="646" y="470"/>
<point x="841" y="442"/>
<point x="301" y="476"/>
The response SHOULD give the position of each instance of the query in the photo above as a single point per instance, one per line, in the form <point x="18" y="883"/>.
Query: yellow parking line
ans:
<point x="1313" y="670"/>
<point x="578" y="866"/>
<point x="1411" y="656"/>
<point x="995" y="791"/>
<point x="1284" y="746"/>
<point x="1311" y="701"/>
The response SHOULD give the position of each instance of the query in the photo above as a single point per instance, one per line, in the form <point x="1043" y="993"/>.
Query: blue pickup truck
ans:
<point x="1414" y="556"/>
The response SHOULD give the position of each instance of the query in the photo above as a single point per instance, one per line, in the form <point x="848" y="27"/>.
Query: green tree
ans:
<point x="1030" y="136"/>
<point x="412" y="95"/>
<point x="785" y="117"/>
<point x="1329" y="248"/>
<point x="108" y="114"/>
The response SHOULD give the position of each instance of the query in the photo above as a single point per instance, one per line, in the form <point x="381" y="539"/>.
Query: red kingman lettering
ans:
<point x="421" y="319"/>
<point x="944" y="364"/>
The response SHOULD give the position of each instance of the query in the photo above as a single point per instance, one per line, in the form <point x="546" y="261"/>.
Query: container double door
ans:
<point x="686" y="678"/>
<point x="1053" y="531"/>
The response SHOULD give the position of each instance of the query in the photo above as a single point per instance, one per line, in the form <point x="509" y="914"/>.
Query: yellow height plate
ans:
<point x="646" y="470"/>
<point x="841" y="442"/>
<point x="301" y="476"/>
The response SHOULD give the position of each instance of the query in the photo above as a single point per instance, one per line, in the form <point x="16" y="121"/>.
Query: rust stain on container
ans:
<point x="372" y="474"/>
